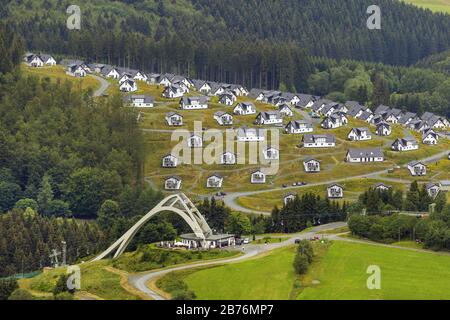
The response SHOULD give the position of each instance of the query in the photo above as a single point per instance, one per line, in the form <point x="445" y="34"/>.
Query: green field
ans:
<point x="434" y="5"/>
<point x="341" y="273"/>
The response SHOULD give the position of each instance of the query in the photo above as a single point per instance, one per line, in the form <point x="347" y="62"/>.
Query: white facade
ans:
<point x="258" y="177"/>
<point x="128" y="86"/>
<point x="269" y="118"/>
<point x="417" y="169"/>
<point x="311" y="165"/>
<point x="359" y="134"/>
<point x="406" y="144"/>
<point x="194" y="103"/>
<point x="244" y="109"/>
<point x="430" y="137"/>
<point x="195" y="141"/>
<point x="335" y="191"/>
<point x="174" y="119"/>
<point x="250" y="135"/>
<point x="223" y="118"/>
<point x="271" y="154"/>
<point x="169" y="161"/>
<point x="228" y="158"/>
<point x="172" y="183"/>
<point x="319" y="141"/>
<point x="298" y="127"/>
<point x="214" y="181"/>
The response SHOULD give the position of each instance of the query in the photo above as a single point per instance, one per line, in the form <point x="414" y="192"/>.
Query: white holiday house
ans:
<point x="139" y="101"/>
<point x="228" y="158"/>
<point x="223" y="118"/>
<point x="433" y="189"/>
<point x="244" y="109"/>
<point x="405" y="144"/>
<point x="365" y="155"/>
<point x="169" y="161"/>
<point x="258" y="177"/>
<point x="271" y="153"/>
<point x="359" y="134"/>
<point x="311" y="165"/>
<point x="195" y="141"/>
<point x="128" y="86"/>
<point x="298" y="127"/>
<point x="417" y="169"/>
<point x="194" y="103"/>
<point x="250" y="135"/>
<point x="214" y="181"/>
<point x="383" y="129"/>
<point x="174" y="119"/>
<point x="173" y="183"/>
<point x="319" y="141"/>
<point x="430" y="137"/>
<point x="335" y="191"/>
<point x="269" y="118"/>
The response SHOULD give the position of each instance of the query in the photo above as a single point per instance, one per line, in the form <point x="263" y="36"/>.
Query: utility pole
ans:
<point x="64" y="253"/>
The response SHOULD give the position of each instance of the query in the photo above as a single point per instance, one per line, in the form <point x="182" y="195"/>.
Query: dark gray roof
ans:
<point x="147" y="99"/>
<point x="311" y="138"/>
<point x="364" y="153"/>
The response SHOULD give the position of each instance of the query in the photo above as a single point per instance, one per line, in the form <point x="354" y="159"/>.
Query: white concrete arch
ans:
<point x="179" y="204"/>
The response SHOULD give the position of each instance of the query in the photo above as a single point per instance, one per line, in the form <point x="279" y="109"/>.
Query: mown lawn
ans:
<point x="267" y="278"/>
<point x="341" y="272"/>
<point x="404" y="274"/>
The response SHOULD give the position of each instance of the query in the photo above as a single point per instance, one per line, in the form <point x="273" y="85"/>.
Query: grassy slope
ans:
<point x="404" y="274"/>
<point x="341" y="272"/>
<point x="254" y="279"/>
<point x="434" y="5"/>
<point x="57" y="73"/>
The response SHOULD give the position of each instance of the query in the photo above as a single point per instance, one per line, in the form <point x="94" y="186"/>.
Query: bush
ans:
<point x="20" y="294"/>
<point x="7" y="286"/>
<point x="306" y="248"/>
<point x="183" y="295"/>
<point x="64" y="296"/>
<point x="301" y="264"/>
<point x="26" y="203"/>
<point x="171" y="283"/>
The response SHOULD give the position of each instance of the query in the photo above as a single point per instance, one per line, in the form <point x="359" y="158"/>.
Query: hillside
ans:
<point x="192" y="28"/>
<point x="434" y="5"/>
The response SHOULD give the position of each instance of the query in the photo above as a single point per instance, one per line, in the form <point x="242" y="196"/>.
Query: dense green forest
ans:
<point x="257" y="43"/>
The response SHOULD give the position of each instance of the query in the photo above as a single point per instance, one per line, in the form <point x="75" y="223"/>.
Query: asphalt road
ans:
<point x="103" y="86"/>
<point x="230" y="199"/>
<point x="139" y="281"/>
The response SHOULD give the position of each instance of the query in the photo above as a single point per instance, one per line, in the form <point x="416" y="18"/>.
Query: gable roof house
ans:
<point x="139" y="101"/>
<point x="223" y="118"/>
<point x="436" y="122"/>
<point x="291" y="98"/>
<point x="382" y="110"/>
<point x="405" y="144"/>
<point x="329" y="109"/>
<point x="214" y="181"/>
<point x="174" y="119"/>
<point x="268" y="118"/>
<point x="320" y="104"/>
<point x="285" y="110"/>
<point x="418" y="125"/>
<point x="124" y="76"/>
<point x="257" y="94"/>
<point x="299" y="126"/>
<point x="169" y="161"/>
<point x="355" y="110"/>
<point x="228" y="158"/>
<point x="258" y="177"/>
<point x="34" y="60"/>
<point x="227" y="99"/>
<point x="195" y="141"/>
<point x="360" y="134"/>
<point x="173" y="92"/>
<point x="244" y="108"/>
<point x="366" y="116"/>
<point x="406" y="118"/>
<point x="383" y="129"/>
<point x="202" y="86"/>
<point x="288" y="198"/>
<point x="365" y="155"/>
<point x="128" y="86"/>
<point x="305" y="101"/>
<point x="433" y="189"/>
<point x="335" y="120"/>
<point x="335" y="191"/>
<point x="430" y="137"/>
<point x="76" y="70"/>
<point x="194" y="103"/>
<point x="319" y="141"/>
<point x="381" y="187"/>
<point x="311" y="165"/>
<point x="165" y="80"/>
<point x="173" y="183"/>
<point x="376" y="120"/>
<point x="271" y="153"/>
<point x="152" y="78"/>
<point x="110" y="72"/>
<point x="250" y="135"/>
<point x="48" y="60"/>
<point x="417" y="168"/>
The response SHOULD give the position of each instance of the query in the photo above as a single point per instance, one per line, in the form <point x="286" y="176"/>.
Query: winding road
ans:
<point x="230" y="199"/>
<point x="104" y="85"/>
<point x="140" y="281"/>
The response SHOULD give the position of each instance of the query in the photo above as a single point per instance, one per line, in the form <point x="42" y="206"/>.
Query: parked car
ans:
<point x="297" y="241"/>
<point x="246" y="241"/>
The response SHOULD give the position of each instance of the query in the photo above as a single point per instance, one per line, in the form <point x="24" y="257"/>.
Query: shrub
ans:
<point x="20" y="294"/>
<point x="7" y="286"/>
<point x="64" y="296"/>
<point x="301" y="264"/>
<point x="306" y="248"/>
<point x="183" y="295"/>
<point x="26" y="203"/>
